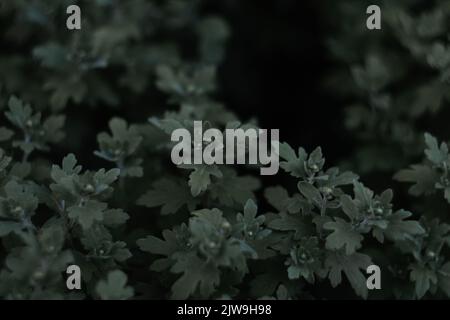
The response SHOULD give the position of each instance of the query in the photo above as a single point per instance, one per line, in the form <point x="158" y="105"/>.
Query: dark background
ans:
<point x="274" y="68"/>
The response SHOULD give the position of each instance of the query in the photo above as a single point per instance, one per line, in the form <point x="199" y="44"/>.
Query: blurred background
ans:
<point x="309" y="68"/>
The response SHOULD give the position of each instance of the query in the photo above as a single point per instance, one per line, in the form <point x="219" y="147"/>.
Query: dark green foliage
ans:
<point x="140" y="227"/>
<point x="398" y="77"/>
<point x="397" y="86"/>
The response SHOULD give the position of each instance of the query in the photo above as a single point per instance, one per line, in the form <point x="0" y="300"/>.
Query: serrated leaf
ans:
<point x="114" y="287"/>
<point x="53" y="128"/>
<point x="435" y="153"/>
<point x="250" y="209"/>
<point x="157" y="246"/>
<point x="343" y="236"/>
<point x="197" y="275"/>
<point x="311" y="193"/>
<point x="88" y="213"/>
<point x="362" y="194"/>
<point x="294" y="164"/>
<point x="398" y="229"/>
<point x="115" y="217"/>
<point x="423" y="279"/>
<point x="349" y="207"/>
<point x="105" y="178"/>
<point x="200" y="178"/>
<point x="232" y="189"/>
<point x="171" y="195"/>
<point x="351" y="265"/>
<point x="290" y="222"/>
<point x="423" y="177"/>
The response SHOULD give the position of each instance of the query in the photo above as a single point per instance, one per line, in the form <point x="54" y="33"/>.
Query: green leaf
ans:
<point x="423" y="279"/>
<point x="121" y="146"/>
<point x="4" y="161"/>
<point x="171" y="194"/>
<point x="88" y="213"/>
<point x="250" y="209"/>
<point x="351" y="265"/>
<point x="277" y="197"/>
<point x="349" y="207"/>
<point x="200" y="178"/>
<point x="398" y="229"/>
<point x="5" y="134"/>
<point x="115" y="217"/>
<point x="37" y="133"/>
<point x="444" y="278"/>
<point x="69" y="167"/>
<point x="435" y="153"/>
<point x="166" y="125"/>
<point x="374" y="75"/>
<point x="6" y="227"/>
<point x="197" y="275"/>
<point x="114" y="287"/>
<point x="103" y="179"/>
<point x="52" y="55"/>
<point x="290" y="222"/>
<point x="294" y="272"/>
<point x="343" y="236"/>
<point x="363" y="194"/>
<point x="340" y="179"/>
<point x="232" y="189"/>
<point x="312" y="194"/>
<point x="294" y="164"/>
<point x="423" y="177"/>
<point x="23" y="196"/>
<point x="52" y="128"/>
<point x="447" y="194"/>
<point x="439" y="56"/>
<point x="18" y="113"/>
<point x="157" y="246"/>
<point x="181" y="84"/>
